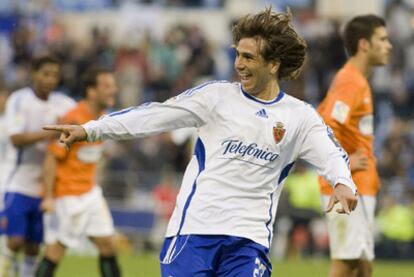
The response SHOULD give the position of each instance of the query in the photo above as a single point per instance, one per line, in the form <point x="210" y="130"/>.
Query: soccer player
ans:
<point x="73" y="202"/>
<point x="348" y="110"/>
<point x="250" y="134"/>
<point x="27" y="110"/>
<point x="4" y="93"/>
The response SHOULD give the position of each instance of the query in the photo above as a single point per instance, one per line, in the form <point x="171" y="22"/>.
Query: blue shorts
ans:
<point x="213" y="255"/>
<point x="3" y="222"/>
<point x="24" y="217"/>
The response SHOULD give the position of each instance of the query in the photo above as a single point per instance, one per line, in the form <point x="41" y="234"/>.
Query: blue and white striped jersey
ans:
<point x="26" y="113"/>
<point x="244" y="152"/>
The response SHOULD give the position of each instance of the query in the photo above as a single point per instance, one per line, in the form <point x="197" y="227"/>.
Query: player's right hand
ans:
<point x="358" y="160"/>
<point x="68" y="133"/>
<point x="47" y="205"/>
<point x="343" y="195"/>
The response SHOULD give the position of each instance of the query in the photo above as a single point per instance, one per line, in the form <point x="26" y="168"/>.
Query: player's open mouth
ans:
<point x="245" y="77"/>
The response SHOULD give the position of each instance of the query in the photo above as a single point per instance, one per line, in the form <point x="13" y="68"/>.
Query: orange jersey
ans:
<point x="76" y="168"/>
<point x="348" y="110"/>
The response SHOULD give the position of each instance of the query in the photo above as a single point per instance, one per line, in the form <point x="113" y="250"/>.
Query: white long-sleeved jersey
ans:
<point x="244" y="152"/>
<point x="26" y="113"/>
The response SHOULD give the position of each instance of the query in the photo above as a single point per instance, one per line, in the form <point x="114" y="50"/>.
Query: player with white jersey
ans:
<point x="4" y="93"/>
<point x="250" y="134"/>
<point x="27" y="110"/>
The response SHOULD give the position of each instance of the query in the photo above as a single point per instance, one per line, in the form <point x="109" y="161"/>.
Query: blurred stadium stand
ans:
<point x="159" y="48"/>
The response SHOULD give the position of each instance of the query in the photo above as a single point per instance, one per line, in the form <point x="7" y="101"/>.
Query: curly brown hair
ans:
<point x="278" y="40"/>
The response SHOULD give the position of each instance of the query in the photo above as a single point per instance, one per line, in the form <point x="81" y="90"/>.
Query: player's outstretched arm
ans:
<point x="345" y="196"/>
<point x="68" y="133"/>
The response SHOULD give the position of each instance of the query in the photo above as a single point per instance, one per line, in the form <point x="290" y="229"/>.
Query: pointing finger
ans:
<point x="330" y="204"/>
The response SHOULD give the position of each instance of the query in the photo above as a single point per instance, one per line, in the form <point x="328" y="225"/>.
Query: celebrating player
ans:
<point x="250" y="134"/>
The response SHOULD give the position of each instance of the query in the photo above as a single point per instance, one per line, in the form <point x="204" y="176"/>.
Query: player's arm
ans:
<point x="320" y="148"/>
<point x="23" y="139"/>
<point x="339" y="114"/>
<point x="49" y="175"/>
<point x="188" y="110"/>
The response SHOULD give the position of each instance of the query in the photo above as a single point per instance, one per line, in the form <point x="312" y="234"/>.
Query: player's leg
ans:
<point x="58" y="234"/>
<point x="351" y="239"/>
<point x="342" y="268"/>
<point x="54" y="253"/>
<point x="99" y="227"/>
<point x="34" y="238"/>
<point x="108" y="264"/>
<point x="244" y="258"/>
<point x="16" y="209"/>
<point x="365" y="268"/>
<point x="30" y="260"/>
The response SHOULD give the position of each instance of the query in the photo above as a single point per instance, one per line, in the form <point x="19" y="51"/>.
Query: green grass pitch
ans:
<point x="147" y="266"/>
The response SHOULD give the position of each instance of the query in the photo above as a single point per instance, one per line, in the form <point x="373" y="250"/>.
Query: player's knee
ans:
<point x="31" y="249"/>
<point x="15" y="243"/>
<point x="105" y="246"/>
<point x="55" y="252"/>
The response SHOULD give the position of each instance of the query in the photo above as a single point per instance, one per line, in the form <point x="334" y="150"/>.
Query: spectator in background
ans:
<point x="164" y="195"/>
<point x="348" y="110"/>
<point x="27" y="110"/>
<point x="304" y="200"/>
<point x="396" y="223"/>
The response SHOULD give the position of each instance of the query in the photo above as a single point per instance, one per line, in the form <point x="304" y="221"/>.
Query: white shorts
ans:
<point x="352" y="236"/>
<point x="75" y="217"/>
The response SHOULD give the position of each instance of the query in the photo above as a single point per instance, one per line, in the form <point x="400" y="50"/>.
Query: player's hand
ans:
<point x="345" y="197"/>
<point x="47" y="205"/>
<point x="358" y="160"/>
<point x="68" y="133"/>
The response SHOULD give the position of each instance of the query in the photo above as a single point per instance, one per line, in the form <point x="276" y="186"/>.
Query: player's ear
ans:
<point x="363" y="44"/>
<point x="274" y="67"/>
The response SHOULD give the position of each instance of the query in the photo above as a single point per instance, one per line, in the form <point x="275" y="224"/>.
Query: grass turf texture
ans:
<point x="147" y="266"/>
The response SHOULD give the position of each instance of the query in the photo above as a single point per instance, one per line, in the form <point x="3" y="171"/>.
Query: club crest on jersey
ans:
<point x="279" y="132"/>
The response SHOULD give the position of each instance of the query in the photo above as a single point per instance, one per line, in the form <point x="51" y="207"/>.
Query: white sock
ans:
<point x="28" y="266"/>
<point x="8" y="263"/>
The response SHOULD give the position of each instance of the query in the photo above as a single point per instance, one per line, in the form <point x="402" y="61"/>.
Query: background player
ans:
<point x="250" y="134"/>
<point x="70" y="179"/>
<point x="348" y="110"/>
<point x="4" y="93"/>
<point x="27" y="110"/>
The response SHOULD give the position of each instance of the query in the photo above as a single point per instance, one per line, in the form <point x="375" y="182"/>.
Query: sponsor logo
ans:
<point x="340" y="111"/>
<point x="234" y="146"/>
<point x="366" y="125"/>
<point x="279" y="132"/>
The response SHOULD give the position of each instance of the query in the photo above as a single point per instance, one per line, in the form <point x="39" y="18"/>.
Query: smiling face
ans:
<point x="379" y="47"/>
<point x="257" y="76"/>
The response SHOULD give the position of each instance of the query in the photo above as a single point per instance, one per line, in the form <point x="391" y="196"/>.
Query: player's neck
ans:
<point x="270" y="92"/>
<point x="361" y="63"/>
<point x="94" y="108"/>
<point x="39" y="94"/>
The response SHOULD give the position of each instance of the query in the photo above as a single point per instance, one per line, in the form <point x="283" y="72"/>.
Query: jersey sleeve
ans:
<point x="320" y="148"/>
<point x="192" y="108"/>
<point x="15" y="119"/>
